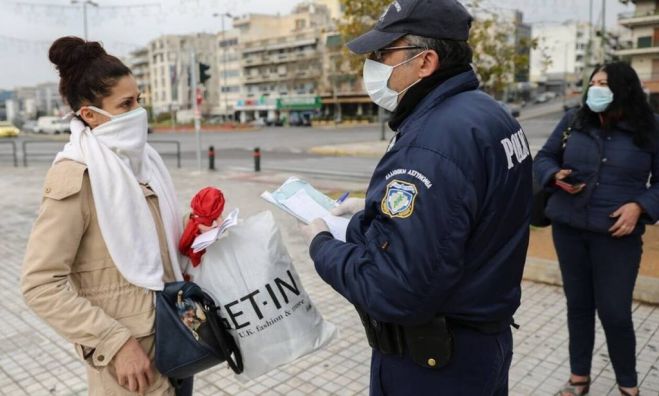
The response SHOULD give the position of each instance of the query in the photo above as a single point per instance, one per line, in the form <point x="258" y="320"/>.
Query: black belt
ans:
<point x="429" y="345"/>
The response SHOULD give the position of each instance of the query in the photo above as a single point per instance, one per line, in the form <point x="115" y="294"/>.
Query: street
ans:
<point x="282" y="148"/>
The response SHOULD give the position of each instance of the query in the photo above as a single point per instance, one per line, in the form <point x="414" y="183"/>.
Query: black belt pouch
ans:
<point x="430" y="345"/>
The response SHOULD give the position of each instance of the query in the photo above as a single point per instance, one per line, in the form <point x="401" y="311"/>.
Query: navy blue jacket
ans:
<point x="615" y="170"/>
<point x="445" y="228"/>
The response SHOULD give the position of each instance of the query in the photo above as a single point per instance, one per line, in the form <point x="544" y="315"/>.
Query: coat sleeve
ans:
<point x="51" y="252"/>
<point x="549" y="159"/>
<point x="649" y="201"/>
<point x="403" y="266"/>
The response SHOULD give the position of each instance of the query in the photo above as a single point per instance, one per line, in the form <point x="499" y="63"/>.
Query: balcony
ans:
<point x="650" y="81"/>
<point x="273" y="59"/>
<point x="637" y="19"/>
<point x="646" y="45"/>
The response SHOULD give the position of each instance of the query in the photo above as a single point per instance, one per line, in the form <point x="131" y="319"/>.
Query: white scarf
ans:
<point x="117" y="158"/>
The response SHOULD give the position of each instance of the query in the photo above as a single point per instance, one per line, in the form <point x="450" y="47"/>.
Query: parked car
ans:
<point x="573" y="103"/>
<point x="545" y="97"/>
<point x="7" y="129"/>
<point x="52" y="125"/>
<point x="512" y="108"/>
<point x="30" y="126"/>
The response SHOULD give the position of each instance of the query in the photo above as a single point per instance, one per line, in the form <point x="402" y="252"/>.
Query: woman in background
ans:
<point x="606" y="180"/>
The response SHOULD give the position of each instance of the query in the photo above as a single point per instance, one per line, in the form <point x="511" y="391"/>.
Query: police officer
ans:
<point x="434" y="255"/>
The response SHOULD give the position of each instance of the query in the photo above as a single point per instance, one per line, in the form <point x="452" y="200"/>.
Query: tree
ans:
<point x="498" y="53"/>
<point x="359" y="17"/>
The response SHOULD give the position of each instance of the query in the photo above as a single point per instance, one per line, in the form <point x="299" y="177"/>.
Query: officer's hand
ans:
<point x="312" y="229"/>
<point x="627" y="215"/>
<point x="349" y="207"/>
<point x="133" y="367"/>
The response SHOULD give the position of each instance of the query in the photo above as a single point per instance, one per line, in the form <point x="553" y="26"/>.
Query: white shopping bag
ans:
<point x="251" y="277"/>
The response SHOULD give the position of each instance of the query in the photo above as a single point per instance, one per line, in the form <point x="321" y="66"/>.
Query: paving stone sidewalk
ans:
<point x="34" y="360"/>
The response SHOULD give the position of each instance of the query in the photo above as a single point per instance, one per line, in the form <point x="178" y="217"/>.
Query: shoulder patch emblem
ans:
<point x="398" y="200"/>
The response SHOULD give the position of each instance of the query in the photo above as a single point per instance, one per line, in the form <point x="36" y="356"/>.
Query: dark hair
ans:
<point x="451" y="52"/>
<point x="87" y="72"/>
<point x="629" y="104"/>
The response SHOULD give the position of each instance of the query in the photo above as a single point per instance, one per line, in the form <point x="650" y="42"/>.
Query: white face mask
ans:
<point x="126" y="135"/>
<point x="376" y="83"/>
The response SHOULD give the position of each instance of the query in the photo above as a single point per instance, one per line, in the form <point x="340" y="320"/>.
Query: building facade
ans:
<point x="281" y="62"/>
<point x="567" y="52"/>
<point x="644" y="51"/>
<point x="228" y="68"/>
<point x="169" y="68"/>
<point x="138" y="61"/>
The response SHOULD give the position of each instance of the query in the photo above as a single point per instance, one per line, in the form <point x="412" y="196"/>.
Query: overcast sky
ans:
<point x="28" y="27"/>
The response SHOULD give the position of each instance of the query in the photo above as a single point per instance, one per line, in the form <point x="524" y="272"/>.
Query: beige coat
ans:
<point x="71" y="282"/>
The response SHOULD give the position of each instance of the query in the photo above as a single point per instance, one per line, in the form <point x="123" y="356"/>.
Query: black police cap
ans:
<point x="440" y="19"/>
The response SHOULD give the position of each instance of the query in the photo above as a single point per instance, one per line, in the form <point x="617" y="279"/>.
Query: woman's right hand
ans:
<point x="133" y="367"/>
<point x="562" y="174"/>
<point x="571" y="189"/>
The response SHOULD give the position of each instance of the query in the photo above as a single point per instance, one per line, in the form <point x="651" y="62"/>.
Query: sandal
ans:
<point x="570" y="389"/>
<point x="625" y="393"/>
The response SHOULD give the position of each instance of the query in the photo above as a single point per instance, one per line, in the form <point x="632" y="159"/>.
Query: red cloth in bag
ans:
<point x="207" y="206"/>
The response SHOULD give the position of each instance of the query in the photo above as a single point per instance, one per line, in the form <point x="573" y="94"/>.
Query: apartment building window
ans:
<point x="228" y="43"/>
<point x="644" y="42"/>
<point x="230" y="89"/>
<point x="300" y="24"/>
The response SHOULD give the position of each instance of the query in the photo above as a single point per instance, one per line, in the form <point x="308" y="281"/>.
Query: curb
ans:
<point x="364" y="149"/>
<point x="547" y="271"/>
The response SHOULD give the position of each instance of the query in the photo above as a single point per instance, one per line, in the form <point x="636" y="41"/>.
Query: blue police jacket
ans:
<point x="446" y="224"/>
<point x="615" y="170"/>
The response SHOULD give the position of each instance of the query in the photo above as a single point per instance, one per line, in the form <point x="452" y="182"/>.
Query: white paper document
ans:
<point x="304" y="207"/>
<point x="302" y="201"/>
<point x="206" y="239"/>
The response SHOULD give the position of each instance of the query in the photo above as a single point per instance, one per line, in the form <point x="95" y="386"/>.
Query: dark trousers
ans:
<point x="599" y="273"/>
<point x="479" y="367"/>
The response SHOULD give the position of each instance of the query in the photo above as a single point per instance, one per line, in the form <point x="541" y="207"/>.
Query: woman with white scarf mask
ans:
<point x="108" y="199"/>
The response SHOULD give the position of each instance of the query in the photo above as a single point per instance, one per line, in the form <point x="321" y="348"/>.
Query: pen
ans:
<point x="343" y="197"/>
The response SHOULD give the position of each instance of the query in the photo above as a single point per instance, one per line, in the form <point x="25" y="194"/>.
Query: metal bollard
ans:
<point x="211" y="158"/>
<point x="257" y="160"/>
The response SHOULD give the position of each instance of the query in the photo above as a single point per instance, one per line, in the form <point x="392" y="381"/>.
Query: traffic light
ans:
<point x="204" y="73"/>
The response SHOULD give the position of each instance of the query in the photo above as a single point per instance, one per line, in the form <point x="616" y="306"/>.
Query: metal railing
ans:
<point x="13" y="150"/>
<point x="637" y="14"/>
<point x="51" y="153"/>
<point x="167" y="154"/>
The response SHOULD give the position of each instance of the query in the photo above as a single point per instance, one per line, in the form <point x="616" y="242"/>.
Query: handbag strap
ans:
<point x="227" y="344"/>
<point x="566" y="134"/>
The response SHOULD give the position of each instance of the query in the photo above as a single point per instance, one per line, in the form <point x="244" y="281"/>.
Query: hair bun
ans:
<point x="70" y="52"/>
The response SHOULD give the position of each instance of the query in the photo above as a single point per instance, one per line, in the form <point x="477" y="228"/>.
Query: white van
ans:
<point x="52" y="125"/>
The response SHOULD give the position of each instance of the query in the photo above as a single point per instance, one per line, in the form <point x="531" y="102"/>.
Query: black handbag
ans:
<point x="541" y="194"/>
<point x="182" y="351"/>
<point x="540" y="198"/>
